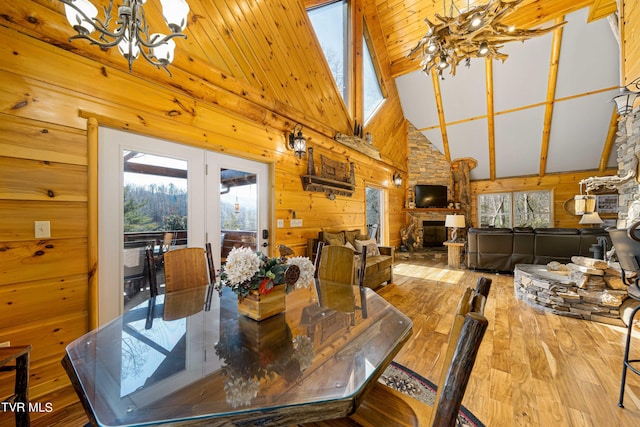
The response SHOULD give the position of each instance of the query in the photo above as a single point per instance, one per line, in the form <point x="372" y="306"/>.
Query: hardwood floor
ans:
<point x="533" y="369"/>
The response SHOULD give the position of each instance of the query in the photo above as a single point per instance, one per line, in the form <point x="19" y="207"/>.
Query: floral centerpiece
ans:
<point x="254" y="278"/>
<point x="247" y="272"/>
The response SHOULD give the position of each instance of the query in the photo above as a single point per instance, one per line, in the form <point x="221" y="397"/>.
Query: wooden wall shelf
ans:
<point x="326" y="185"/>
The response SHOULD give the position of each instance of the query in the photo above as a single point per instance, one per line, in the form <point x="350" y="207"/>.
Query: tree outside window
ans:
<point x="520" y="209"/>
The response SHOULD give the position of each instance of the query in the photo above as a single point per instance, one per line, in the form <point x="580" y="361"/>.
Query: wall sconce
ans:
<point x="625" y="99"/>
<point x="297" y="142"/>
<point x="397" y="179"/>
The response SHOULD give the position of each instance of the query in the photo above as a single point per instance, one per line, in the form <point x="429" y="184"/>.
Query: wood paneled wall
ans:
<point x="563" y="185"/>
<point x="630" y="34"/>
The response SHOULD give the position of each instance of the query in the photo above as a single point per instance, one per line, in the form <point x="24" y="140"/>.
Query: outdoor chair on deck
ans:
<point x="383" y="405"/>
<point x="627" y="245"/>
<point x="184" y="268"/>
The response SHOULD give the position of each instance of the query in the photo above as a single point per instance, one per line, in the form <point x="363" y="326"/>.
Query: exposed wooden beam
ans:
<point x="601" y="9"/>
<point x="525" y="107"/>
<point x="491" y="128"/>
<point x="610" y="141"/>
<point x="551" y="95"/>
<point x="443" y="124"/>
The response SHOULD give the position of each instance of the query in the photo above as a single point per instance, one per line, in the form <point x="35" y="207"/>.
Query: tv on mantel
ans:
<point x="431" y="196"/>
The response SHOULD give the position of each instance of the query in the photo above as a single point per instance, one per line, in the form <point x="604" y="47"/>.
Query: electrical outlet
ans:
<point x="280" y="223"/>
<point x="295" y="223"/>
<point x="42" y="229"/>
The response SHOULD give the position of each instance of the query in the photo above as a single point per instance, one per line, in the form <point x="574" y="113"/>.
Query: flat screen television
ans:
<point x="431" y="196"/>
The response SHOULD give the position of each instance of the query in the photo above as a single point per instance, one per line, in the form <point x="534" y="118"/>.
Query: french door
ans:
<point x="159" y="195"/>
<point x="238" y="204"/>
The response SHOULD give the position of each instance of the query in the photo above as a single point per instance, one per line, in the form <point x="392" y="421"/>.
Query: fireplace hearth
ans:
<point x="434" y="233"/>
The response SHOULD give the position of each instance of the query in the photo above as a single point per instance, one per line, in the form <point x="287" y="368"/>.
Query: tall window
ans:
<point x="372" y="93"/>
<point x="330" y="23"/>
<point x="519" y="209"/>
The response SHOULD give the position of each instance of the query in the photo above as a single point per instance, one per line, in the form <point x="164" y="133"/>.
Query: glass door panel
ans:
<point x="375" y="209"/>
<point x="155" y="214"/>
<point x="238" y="213"/>
<point x="150" y="195"/>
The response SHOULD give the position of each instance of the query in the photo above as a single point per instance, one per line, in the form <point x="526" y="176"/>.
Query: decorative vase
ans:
<point x="259" y="307"/>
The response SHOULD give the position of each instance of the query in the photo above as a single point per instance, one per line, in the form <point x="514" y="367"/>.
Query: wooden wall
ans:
<point x="563" y="185"/>
<point x="630" y="40"/>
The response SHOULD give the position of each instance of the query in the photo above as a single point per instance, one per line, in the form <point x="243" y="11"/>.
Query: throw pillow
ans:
<point x="333" y="238"/>
<point x="350" y="246"/>
<point x="351" y="236"/>
<point x="370" y="247"/>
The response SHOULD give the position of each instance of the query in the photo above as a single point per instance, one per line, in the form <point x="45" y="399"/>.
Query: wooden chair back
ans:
<point x="465" y="337"/>
<point x="383" y="405"/>
<point x="188" y="268"/>
<point x="336" y="264"/>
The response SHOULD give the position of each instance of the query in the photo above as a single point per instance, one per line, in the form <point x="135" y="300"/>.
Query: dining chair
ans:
<point x="184" y="268"/>
<point x="383" y="405"/>
<point x="338" y="264"/>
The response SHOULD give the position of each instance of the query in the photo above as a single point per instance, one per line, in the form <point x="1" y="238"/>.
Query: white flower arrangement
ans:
<point x="246" y="271"/>
<point x="306" y="270"/>
<point x="241" y="265"/>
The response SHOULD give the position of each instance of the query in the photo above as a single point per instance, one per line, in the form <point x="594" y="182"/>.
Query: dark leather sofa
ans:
<point x="500" y="249"/>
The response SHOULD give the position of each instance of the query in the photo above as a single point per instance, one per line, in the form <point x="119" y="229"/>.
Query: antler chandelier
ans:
<point x="131" y="32"/>
<point x="475" y="32"/>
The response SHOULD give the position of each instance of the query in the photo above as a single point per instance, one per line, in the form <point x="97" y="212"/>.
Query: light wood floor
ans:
<point x="533" y="369"/>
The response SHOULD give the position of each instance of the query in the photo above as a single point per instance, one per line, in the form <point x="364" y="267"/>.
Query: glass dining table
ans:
<point x="188" y="357"/>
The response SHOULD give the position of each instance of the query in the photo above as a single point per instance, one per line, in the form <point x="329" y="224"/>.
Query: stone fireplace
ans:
<point x="628" y="146"/>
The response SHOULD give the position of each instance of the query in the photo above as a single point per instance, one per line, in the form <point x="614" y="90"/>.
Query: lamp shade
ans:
<point x="455" y="221"/>
<point x="591" y="219"/>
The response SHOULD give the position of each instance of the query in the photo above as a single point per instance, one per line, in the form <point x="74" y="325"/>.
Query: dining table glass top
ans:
<point x="189" y="355"/>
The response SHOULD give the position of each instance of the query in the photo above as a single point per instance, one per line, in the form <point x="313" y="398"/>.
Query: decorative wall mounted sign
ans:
<point x="333" y="178"/>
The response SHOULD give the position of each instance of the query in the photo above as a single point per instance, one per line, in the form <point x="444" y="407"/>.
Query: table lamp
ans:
<point x="455" y="222"/>
<point x="591" y="219"/>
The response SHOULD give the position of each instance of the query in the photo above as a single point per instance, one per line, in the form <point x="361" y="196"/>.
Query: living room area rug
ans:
<point x="416" y="386"/>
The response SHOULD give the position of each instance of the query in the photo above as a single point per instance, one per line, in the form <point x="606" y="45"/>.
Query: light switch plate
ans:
<point x="295" y="223"/>
<point x="280" y="223"/>
<point x="42" y="229"/>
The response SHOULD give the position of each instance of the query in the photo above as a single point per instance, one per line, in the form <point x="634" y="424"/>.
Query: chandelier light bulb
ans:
<point x="175" y="13"/>
<point x="483" y="50"/>
<point x="82" y="24"/>
<point x="128" y="48"/>
<point x="164" y="52"/>
<point x="443" y="62"/>
<point x="476" y="20"/>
